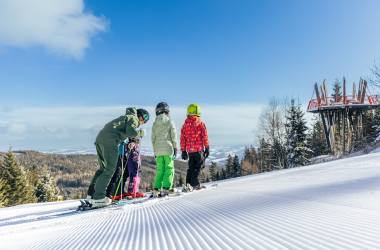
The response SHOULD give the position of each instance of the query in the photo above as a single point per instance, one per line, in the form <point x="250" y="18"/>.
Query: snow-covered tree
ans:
<point x="297" y="145"/>
<point x="16" y="181"/>
<point x="47" y="189"/>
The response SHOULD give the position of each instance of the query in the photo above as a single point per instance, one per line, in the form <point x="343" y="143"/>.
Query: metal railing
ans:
<point x="344" y="100"/>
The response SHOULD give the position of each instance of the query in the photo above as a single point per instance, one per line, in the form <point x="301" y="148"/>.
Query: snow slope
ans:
<point x="332" y="205"/>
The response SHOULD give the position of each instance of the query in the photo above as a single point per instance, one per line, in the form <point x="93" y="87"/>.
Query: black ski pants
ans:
<point x="196" y="165"/>
<point x="112" y="186"/>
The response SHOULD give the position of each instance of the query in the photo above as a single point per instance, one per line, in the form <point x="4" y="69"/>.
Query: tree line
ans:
<point x="19" y="185"/>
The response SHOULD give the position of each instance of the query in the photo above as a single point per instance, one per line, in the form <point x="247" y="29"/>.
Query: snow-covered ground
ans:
<point x="331" y="205"/>
<point x="218" y="154"/>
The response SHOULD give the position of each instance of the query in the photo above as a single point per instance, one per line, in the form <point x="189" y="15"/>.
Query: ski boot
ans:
<point x="155" y="193"/>
<point x="101" y="202"/>
<point x="187" y="188"/>
<point x="169" y="191"/>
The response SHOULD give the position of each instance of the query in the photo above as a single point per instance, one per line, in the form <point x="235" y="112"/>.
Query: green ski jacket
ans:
<point x="119" y="129"/>
<point x="164" y="136"/>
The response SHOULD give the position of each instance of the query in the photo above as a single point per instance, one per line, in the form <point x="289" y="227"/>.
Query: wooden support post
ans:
<point x="317" y="93"/>
<point x="350" y="127"/>
<point x="338" y="113"/>
<point x="322" y="95"/>
<point x="326" y="93"/>
<point x="344" y="91"/>
<point x="344" y="130"/>
<point x="361" y="125"/>
<point x="360" y="94"/>
<point x="330" y="130"/>
<point x="326" y="130"/>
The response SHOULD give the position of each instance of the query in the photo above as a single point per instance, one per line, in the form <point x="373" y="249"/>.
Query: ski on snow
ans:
<point x="85" y="205"/>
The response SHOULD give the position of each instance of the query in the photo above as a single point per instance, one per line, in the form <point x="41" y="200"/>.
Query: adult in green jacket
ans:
<point x="164" y="140"/>
<point x="107" y="143"/>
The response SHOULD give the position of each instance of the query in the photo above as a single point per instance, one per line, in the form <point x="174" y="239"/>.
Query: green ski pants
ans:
<point x="165" y="171"/>
<point x="107" y="159"/>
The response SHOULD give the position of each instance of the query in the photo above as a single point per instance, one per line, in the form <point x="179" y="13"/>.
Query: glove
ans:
<point x="143" y="132"/>
<point x="175" y="154"/>
<point x="184" y="155"/>
<point x="207" y="152"/>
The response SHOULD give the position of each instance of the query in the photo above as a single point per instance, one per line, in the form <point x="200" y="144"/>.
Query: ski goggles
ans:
<point x="145" y="117"/>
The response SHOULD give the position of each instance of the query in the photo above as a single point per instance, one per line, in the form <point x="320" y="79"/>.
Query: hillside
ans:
<point x="332" y="205"/>
<point x="73" y="172"/>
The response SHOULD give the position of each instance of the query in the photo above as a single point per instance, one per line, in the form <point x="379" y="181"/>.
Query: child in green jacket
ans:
<point x="164" y="140"/>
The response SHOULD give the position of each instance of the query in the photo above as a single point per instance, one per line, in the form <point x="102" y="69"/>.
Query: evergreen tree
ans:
<point x="376" y="126"/>
<point x="317" y="137"/>
<point x="229" y="167"/>
<point x="4" y="188"/>
<point x="278" y="155"/>
<point x="217" y="176"/>
<point x="47" y="189"/>
<point x="247" y="154"/>
<point x="337" y="89"/>
<point x="369" y="122"/>
<point x="34" y="177"/>
<point x="207" y="179"/>
<point x="264" y="156"/>
<point x="236" y="168"/>
<point x="297" y="147"/>
<point x="15" y="179"/>
<point x="223" y="174"/>
<point x="212" y="171"/>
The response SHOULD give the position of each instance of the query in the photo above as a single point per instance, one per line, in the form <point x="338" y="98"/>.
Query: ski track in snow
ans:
<point x="332" y="205"/>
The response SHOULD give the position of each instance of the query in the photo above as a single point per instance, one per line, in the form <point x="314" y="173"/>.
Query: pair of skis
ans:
<point x="86" y="205"/>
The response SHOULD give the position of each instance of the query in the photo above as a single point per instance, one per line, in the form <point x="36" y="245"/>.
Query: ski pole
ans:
<point x="122" y="174"/>
<point x="138" y="168"/>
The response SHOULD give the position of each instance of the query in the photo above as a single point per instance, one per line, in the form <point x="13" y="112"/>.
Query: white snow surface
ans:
<point x="331" y="205"/>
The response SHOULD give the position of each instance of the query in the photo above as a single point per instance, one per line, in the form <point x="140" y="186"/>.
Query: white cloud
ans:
<point x="78" y="127"/>
<point x="60" y="26"/>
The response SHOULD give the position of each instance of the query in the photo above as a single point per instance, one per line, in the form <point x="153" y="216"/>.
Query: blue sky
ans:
<point x="90" y="60"/>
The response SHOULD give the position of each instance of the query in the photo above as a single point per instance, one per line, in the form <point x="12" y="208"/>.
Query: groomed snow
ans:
<point x="332" y="205"/>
